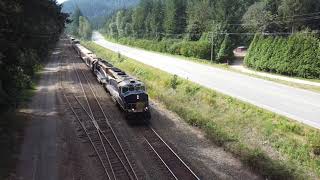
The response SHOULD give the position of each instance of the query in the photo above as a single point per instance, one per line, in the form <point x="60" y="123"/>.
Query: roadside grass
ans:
<point x="284" y="82"/>
<point x="226" y="67"/>
<point x="272" y="145"/>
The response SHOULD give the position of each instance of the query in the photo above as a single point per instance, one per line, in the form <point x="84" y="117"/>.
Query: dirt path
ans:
<point x="50" y="151"/>
<point x="38" y="159"/>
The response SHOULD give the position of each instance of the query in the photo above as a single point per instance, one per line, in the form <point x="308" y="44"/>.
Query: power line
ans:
<point x="278" y="21"/>
<point x="315" y="13"/>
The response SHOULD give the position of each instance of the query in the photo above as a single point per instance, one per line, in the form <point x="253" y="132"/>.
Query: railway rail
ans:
<point x="176" y="167"/>
<point x="97" y="129"/>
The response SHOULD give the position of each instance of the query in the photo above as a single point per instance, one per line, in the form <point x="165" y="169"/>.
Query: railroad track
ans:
<point x="174" y="165"/>
<point x="169" y="159"/>
<point x="97" y="130"/>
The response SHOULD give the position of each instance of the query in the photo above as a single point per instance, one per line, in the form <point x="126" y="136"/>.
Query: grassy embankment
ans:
<point x="288" y="83"/>
<point x="271" y="145"/>
<point x="163" y="48"/>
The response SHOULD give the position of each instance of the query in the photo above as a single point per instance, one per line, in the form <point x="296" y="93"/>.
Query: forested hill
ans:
<point x="97" y="10"/>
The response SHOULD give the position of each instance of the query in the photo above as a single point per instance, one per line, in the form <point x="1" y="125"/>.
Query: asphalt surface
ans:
<point x="297" y="104"/>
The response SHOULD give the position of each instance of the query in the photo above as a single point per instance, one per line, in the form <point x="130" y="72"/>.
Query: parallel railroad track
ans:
<point x="176" y="167"/>
<point x="170" y="160"/>
<point x="97" y="130"/>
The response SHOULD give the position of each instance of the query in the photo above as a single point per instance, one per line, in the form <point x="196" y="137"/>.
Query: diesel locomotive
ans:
<point x="127" y="91"/>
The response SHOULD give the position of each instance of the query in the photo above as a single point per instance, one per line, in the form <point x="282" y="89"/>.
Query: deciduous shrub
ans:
<point x="196" y="49"/>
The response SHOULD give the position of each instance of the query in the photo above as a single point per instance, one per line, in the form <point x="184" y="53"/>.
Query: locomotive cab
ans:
<point x="134" y="97"/>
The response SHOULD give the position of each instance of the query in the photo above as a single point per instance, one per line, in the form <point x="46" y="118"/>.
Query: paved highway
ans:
<point x="297" y="104"/>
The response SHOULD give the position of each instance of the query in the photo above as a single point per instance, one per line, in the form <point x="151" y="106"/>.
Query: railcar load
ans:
<point x="86" y="55"/>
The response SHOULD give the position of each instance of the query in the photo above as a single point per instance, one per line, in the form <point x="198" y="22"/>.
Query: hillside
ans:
<point x="97" y="10"/>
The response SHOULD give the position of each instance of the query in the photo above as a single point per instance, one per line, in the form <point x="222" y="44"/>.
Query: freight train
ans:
<point x="129" y="92"/>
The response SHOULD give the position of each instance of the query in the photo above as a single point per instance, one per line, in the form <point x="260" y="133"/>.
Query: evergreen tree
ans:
<point x="75" y="21"/>
<point x="85" y="30"/>
<point x="157" y="19"/>
<point x="175" y="17"/>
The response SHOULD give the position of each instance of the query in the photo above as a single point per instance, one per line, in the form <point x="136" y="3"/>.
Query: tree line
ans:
<point x="27" y="31"/>
<point x="96" y="10"/>
<point x="297" y="55"/>
<point x="180" y="26"/>
<point x="192" y="19"/>
<point x="80" y="26"/>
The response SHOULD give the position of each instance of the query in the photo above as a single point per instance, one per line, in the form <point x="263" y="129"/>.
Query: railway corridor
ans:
<point x="78" y="132"/>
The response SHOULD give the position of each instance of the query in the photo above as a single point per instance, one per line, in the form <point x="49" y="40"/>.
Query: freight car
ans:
<point x="127" y="91"/>
<point x="100" y="68"/>
<point x="86" y="55"/>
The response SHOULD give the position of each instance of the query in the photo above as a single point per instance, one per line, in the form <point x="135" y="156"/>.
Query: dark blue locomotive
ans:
<point x="127" y="91"/>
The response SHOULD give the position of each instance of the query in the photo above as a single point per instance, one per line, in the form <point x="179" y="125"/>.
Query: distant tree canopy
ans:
<point x="227" y="23"/>
<point x="74" y="26"/>
<point x="282" y="16"/>
<point x="96" y="11"/>
<point x="85" y="30"/>
<point x="80" y="26"/>
<point x="27" y="31"/>
<point x="191" y="20"/>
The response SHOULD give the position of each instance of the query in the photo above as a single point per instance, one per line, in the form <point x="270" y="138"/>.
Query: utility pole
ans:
<point x="212" y="43"/>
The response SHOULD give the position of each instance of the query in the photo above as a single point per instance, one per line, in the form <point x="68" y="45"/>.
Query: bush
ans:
<point x="195" y="49"/>
<point x="297" y="55"/>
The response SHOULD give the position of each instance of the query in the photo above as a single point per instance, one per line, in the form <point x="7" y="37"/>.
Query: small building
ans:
<point x="239" y="54"/>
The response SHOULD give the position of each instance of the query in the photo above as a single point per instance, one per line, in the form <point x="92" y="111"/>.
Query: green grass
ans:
<point x="272" y="145"/>
<point x="288" y="83"/>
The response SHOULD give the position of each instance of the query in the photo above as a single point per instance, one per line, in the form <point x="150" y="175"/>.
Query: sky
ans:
<point x="61" y="1"/>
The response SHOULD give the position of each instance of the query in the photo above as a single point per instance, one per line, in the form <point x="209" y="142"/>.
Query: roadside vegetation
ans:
<point x="28" y="31"/>
<point x="272" y="145"/>
<point x="195" y="49"/>
<point x="193" y="28"/>
<point x="313" y="88"/>
<point x="297" y="55"/>
<point x="80" y="26"/>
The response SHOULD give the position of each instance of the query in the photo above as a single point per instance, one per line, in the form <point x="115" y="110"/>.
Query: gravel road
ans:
<point x="38" y="159"/>
<point x="51" y="149"/>
<point x="297" y="104"/>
